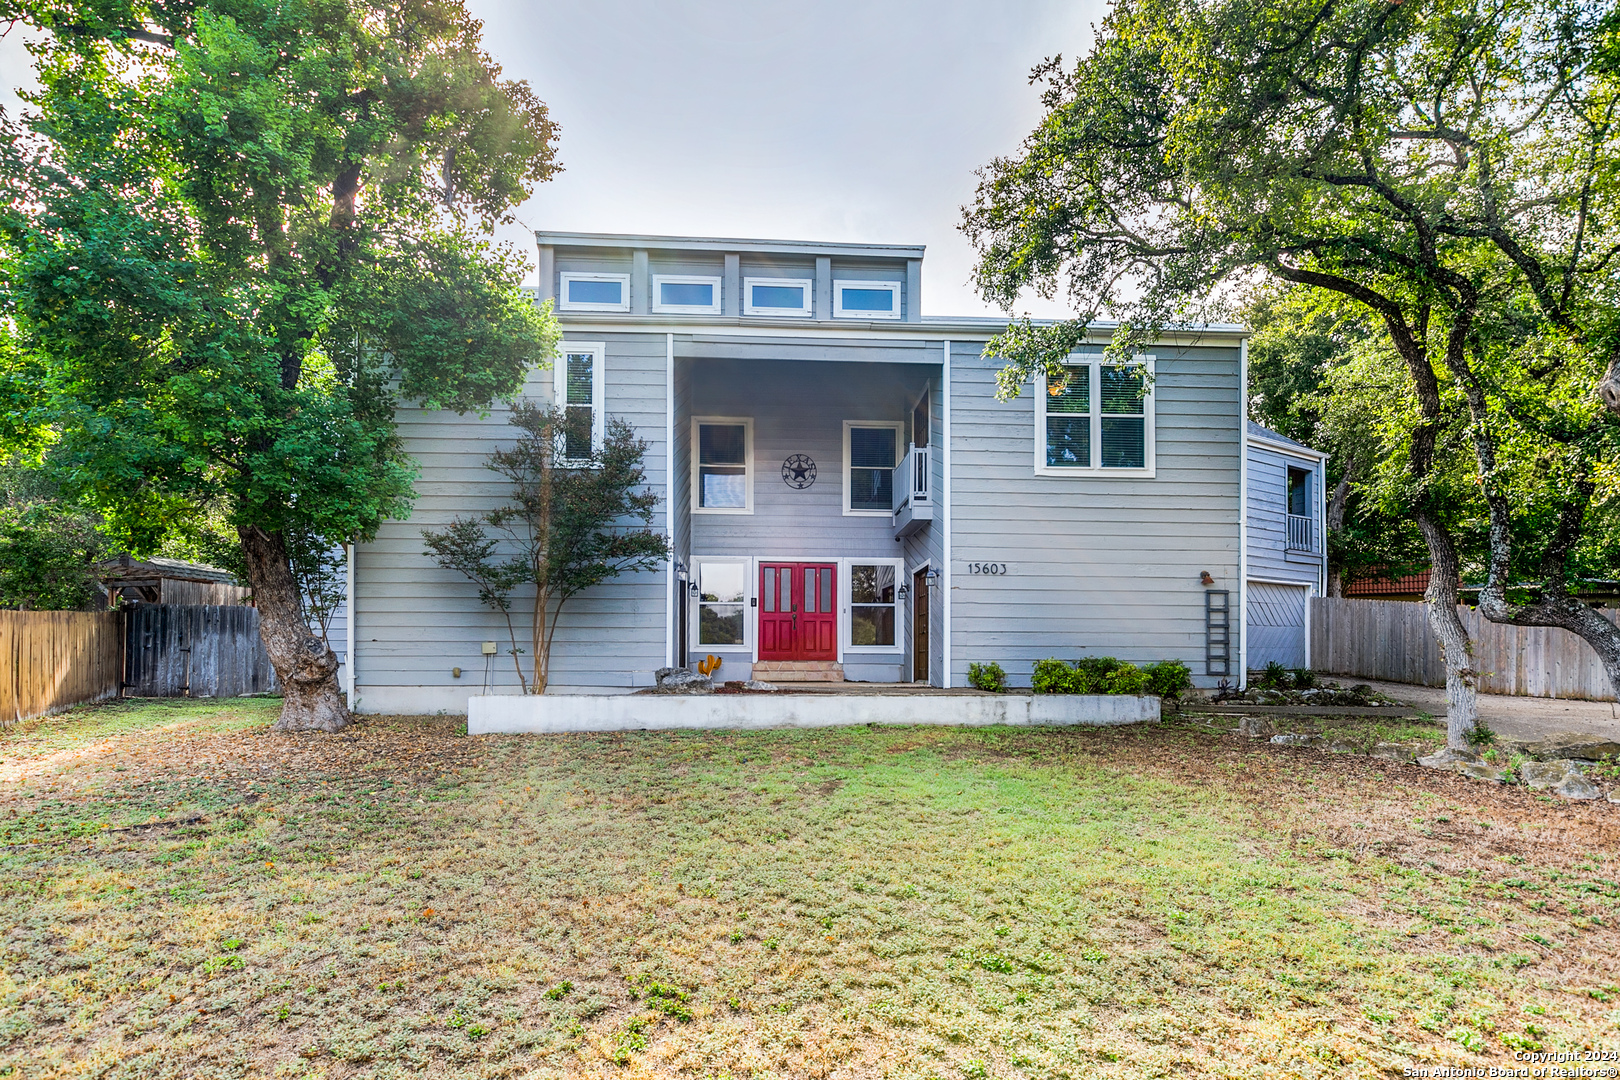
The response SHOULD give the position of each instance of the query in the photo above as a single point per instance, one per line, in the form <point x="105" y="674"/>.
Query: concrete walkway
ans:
<point x="1520" y="718"/>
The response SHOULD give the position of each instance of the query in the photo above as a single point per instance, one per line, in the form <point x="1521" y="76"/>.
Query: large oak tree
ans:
<point x="1448" y="166"/>
<point x="235" y="235"/>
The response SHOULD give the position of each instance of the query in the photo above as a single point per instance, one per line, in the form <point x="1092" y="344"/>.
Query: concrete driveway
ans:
<point x="1518" y="718"/>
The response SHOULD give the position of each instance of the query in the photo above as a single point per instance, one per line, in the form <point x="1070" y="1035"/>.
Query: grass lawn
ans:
<point x="187" y="894"/>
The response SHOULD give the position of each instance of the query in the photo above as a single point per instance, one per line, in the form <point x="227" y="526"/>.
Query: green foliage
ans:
<point x="1126" y="679"/>
<point x="1106" y="675"/>
<point x="1446" y="173"/>
<point x="988" y="677"/>
<point x="567" y="527"/>
<point x="1168" y="678"/>
<point x="1273" y="677"/>
<point x="1302" y="678"/>
<point x="235" y="236"/>
<point x="48" y="554"/>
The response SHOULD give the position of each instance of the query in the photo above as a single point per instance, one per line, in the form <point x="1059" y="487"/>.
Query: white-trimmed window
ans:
<point x="871" y="452"/>
<point x="721" y="614"/>
<point x="866" y="299"/>
<point x="723" y="455"/>
<point x="594" y="292"/>
<point x="873" y="588"/>
<point x="790" y="297"/>
<point x="578" y="387"/>
<point x="679" y="294"/>
<point x="1098" y="421"/>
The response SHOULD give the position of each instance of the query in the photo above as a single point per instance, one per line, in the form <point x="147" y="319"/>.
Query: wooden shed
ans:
<point x="169" y="581"/>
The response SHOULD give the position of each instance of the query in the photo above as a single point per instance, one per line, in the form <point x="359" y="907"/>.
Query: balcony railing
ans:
<point x="911" y="478"/>
<point x="1301" y="533"/>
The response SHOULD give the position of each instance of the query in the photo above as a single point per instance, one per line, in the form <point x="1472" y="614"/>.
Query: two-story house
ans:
<point x="845" y="495"/>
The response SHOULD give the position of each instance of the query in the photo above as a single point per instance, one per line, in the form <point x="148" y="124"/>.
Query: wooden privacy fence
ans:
<point x="1391" y="640"/>
<point x="50" y="660"/>
<point x="196" y="650"/>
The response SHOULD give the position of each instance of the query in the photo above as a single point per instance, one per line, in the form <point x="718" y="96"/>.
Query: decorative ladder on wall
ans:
<point x="1217" y="632"/>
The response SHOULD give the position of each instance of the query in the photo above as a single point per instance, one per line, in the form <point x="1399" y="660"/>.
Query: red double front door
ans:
<point x="798" y="611"/>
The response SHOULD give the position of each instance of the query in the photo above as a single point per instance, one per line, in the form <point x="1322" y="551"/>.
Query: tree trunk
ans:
<point x="1462" y="680"/>
<point x="542" y="654"/>
<point x="305" y="665"/>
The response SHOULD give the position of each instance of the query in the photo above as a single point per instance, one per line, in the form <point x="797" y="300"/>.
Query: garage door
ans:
<point x="1276" y="625"/>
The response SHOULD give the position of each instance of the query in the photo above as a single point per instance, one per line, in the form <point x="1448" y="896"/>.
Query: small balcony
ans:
<point x="1302" y="534"/>
<point x="913" y="497"/>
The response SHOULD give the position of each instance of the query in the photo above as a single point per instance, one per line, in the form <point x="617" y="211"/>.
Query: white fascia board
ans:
<point x="728" y="244"/>
<point x="1287" y="448"/>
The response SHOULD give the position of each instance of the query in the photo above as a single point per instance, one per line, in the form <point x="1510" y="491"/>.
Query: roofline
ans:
<point x="1297" y="449"/>
<point x="964" y="327"/>
<point x="725" y="244"/>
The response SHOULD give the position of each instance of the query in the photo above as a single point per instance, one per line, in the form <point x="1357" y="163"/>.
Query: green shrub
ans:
<point x="1093" y="674"/>
<point x="1303" y="678"/>
<point x="1274" y="677"/>
<point x="1168" y="678"/>
<point x="1126" y="679"/>
<point x="1052" y="676"/>
<point x="987" y="677"/>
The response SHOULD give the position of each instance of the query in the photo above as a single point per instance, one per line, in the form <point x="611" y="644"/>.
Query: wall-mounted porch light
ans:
<point x="903" y="591"/>
<point x="692" y="589"/>
<point x="931" y="578"/>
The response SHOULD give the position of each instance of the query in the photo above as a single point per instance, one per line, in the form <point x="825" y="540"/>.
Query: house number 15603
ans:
<point x="987" y="568"/>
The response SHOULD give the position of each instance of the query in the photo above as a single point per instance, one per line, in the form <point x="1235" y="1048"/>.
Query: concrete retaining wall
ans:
<point x="506" y="714"/>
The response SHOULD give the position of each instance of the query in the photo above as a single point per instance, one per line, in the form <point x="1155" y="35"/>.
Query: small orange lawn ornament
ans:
<point x="709" y="665"/>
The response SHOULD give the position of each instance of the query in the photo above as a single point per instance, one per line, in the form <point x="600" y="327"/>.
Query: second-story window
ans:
<point x="725" y="459"/>
<point x="579" y="395"/>
<point x="675" y="294"/>
<point x="778" y="296"/>
<point x="870" y="455"/>
<point x="1301" y="522"/>
<point x="866" y="299"/>
<point x="594" y="292"/>
<point x="1098" y="419"/>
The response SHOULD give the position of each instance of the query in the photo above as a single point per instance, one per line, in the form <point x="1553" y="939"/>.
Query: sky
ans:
<point x="804" y="121"/>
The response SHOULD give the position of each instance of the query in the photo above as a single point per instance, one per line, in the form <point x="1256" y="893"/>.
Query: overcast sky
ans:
<point x="815" y="121"/>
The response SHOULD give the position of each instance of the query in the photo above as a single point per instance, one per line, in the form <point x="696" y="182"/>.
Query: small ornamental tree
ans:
<point x="234" y="236"/>
<point x="571" y="523"/>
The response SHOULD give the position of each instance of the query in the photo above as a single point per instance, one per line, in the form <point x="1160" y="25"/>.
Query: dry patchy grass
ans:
<point x="187" y="894"/>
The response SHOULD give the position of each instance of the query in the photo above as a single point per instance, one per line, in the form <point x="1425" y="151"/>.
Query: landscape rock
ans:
<point x="1256" y="727"/>
<point x="1571" y="744"/>
<point x="682" y="681"/>
<point x="759" y="684"/>
<point x="1290" y="738"/>
<point x="1394" y="751"/>
<point x="1540" y="775"/>
<point x="1447" y="758"/>
<point x="1576" y="786"/>
<point x="1481" y="771"/>
<point x="1614" y="796"/>
<point x="1343" y="748"/>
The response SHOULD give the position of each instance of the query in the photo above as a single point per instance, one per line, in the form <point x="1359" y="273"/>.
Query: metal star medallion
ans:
<point x="799" y="471"/>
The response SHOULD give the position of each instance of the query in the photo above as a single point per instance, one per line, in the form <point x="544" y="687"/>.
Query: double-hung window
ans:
<point x="1099" y="419"/>
<point x="873" y="600"/>
<point x="871" y="452"/>
<point x="594" y="292"/>
<point x="579" y="396"/>
<point x="722" y="600"/>
<point x="725" y="465"/>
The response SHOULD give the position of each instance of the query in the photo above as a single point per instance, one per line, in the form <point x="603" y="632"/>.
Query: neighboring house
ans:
<point x="169" y="581"/>
<point x="845" y="496"/>
<point x="1287" y="546"/>
<point x="1374" y="586"/>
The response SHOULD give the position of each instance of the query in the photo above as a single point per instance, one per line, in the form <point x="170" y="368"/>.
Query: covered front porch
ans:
<point x="805" y="511"/>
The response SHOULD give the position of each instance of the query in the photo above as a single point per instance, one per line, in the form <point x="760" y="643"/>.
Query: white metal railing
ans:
<point x="911" y="478"/>
<point x="1301" y="533"/>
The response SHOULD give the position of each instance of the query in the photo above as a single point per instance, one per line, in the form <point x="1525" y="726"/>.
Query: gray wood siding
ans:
<point x="800" y="408"/>
<point x="1096" y="565"/>
<point x="415" y="622"/>
<point x="928" y="544"/>
<point x="1269" y="556"/>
